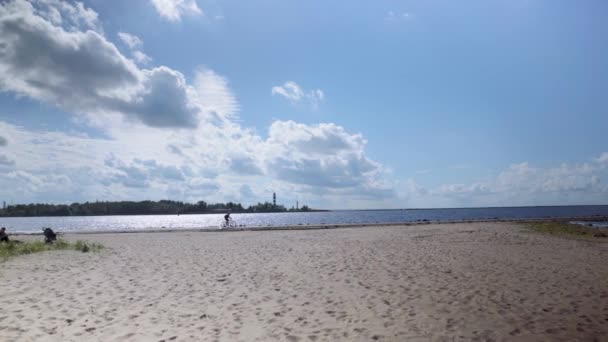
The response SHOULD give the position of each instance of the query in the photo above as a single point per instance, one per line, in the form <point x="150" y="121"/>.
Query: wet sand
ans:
<point x="469" y="281"/>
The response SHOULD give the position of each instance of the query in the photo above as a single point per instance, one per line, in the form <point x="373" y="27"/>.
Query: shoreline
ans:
<point x="215" y="229"/>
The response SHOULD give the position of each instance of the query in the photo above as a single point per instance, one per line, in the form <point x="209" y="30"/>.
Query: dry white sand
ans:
<point x="481" y="281"/>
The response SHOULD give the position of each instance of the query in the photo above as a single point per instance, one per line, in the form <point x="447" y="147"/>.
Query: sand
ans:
<point x="449" y="282"/>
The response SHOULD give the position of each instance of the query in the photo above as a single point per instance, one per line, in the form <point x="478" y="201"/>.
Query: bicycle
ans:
<point x="230" y="224"/>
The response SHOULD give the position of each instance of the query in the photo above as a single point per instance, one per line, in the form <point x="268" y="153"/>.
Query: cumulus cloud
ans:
<point x="323" y="163"/>
<point x="564" y="178"/>
<point x="36" y="185"/>
<point x="294" y="93"/>
<point x="135" y="44"/>
<point x="6" y="161"/>
<point x="141" y="57"/>
<point x="166" y="101"/>
<point x="523" y="184"/>
<point x="323" y="155"/>
<point x="213" y="161"/>
<point x="45" y="61"/>
<point x="81" y="71"/>
<point x="246" y="192"/>
<point x="130" y="40"/>
<point x="174" y="149"/>
<point x="245" y="166"/>
<point x="314" y="140"/>
<point x="139" y="173"/>
<point x="602" y="159"/>
<point x="173" y="10"/>
<point x="290" y="90"/>
<point x="70" y="15"/>
<point x="91" y="167"/>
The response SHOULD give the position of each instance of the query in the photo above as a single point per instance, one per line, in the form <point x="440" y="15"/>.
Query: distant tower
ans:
<point x="274" y="199"/>
<point x="4" y="205"/>
<point x="297" y="205"/>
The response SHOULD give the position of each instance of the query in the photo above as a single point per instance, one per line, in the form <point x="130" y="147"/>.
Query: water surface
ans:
<point x="212" y="221"/>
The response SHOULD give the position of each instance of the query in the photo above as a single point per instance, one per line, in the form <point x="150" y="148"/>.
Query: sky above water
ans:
<point x="339" y="104"/>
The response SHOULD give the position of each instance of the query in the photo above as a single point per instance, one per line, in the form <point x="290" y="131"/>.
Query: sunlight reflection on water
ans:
<point x="212" y="221"/>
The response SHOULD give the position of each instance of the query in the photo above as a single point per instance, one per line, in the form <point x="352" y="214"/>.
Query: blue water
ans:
<point x="212" y="221"/>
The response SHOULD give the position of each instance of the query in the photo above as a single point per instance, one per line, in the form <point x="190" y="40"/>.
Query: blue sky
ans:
<point x="339" y="105"/>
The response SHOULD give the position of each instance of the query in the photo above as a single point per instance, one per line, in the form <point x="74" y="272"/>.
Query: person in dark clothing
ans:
<point x="49" y="235"/>
<point x="3" y="235"/>
<point x="227" y="218"/>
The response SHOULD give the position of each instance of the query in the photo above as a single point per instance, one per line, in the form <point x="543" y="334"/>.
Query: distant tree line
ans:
<point x="162" y="207"/>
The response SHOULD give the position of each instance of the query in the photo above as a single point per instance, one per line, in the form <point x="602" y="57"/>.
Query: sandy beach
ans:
<point x="474" y="281"/>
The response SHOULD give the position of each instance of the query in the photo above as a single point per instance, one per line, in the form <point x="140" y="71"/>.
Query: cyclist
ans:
<point x="227" y="218"/>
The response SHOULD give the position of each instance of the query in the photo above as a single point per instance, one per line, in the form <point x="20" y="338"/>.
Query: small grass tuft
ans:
<point x="566" y="229"/>
<point x="85" y="247"/>
<point x="15" y="248"/>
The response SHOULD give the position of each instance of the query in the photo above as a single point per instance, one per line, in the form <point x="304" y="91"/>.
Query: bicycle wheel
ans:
<point x="233" y="223"/>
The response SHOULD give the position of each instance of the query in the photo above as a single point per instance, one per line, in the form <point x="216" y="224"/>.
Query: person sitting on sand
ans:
<point x="3" y="235"/>
<point x="49" y="235"/>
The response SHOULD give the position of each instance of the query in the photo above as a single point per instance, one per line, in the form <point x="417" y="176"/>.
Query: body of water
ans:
<point x="212" y="221"/>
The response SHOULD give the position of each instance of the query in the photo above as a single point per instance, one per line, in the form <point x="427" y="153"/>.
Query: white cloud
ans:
<point x="69" y="15"/>
<point x="313" y="141"/>
<point x="141" y="57"/>
<point x="91" y="167"/>
<point x="130" y="40"/>
<point x="82" y="72"/>
<point x="325" y="164"/>
<point x="214" y="92"/>
<point x="392" y="16"/>
<point x="564" y="178"/>
<point x="316" y="97"/>
<point x="451" y="189"/>
<point x="290" y="90"/>
<point x="411" y="188"/>
<point x="324" y="156"/>
<point x="294" y="93"/>
<point x="522" y="184"/>
<point x="173" y="10"/>
<point x="245" y="165"/>
<point x="603" y="158"/>
<point x="6" y="161"/>
<point x="135" y="44"/>
<point x="139" y="173"/>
